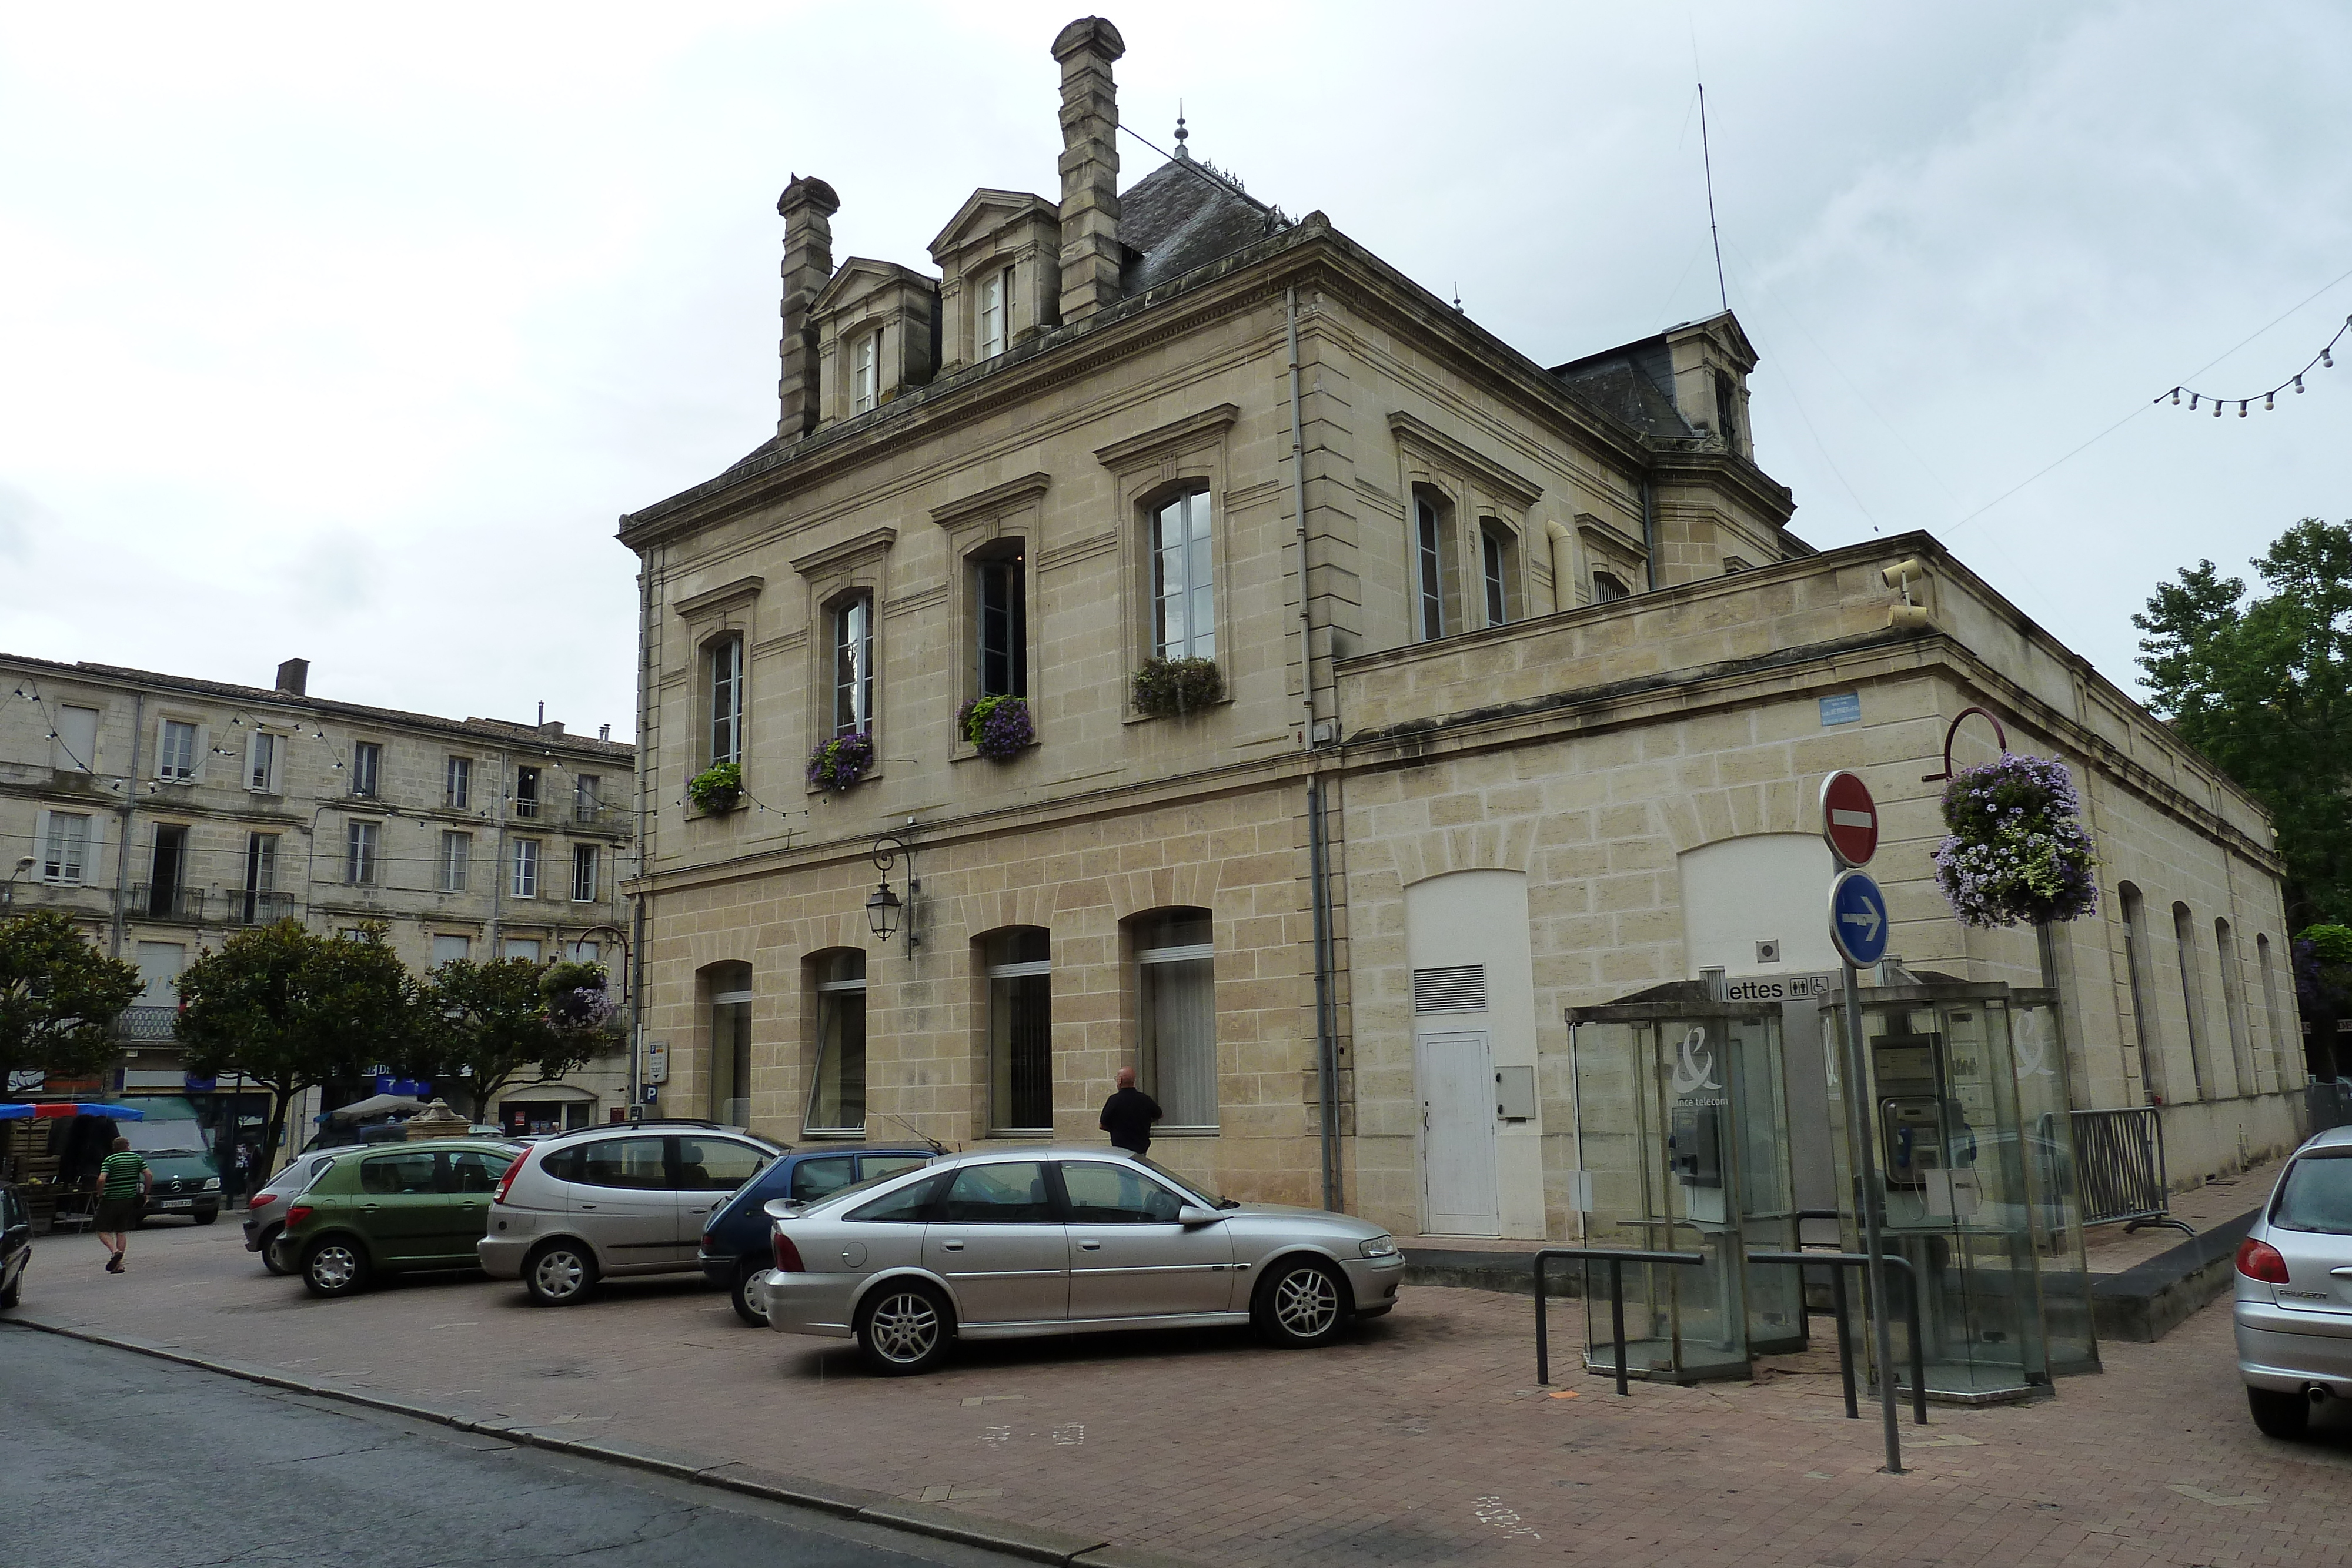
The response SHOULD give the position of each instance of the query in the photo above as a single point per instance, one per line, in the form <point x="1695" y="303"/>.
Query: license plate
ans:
<point x="179" y="1203"/>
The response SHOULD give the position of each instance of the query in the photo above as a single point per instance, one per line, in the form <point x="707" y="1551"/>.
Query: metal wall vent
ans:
<point x="1460" y="990"/>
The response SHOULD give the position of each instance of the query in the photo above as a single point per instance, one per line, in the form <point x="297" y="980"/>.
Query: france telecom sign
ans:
<point x="1849" y="818"/>
<point x="1858" y="918"/>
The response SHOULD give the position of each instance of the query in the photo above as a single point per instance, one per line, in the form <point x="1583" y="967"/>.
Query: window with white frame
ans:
<point x="523" y="947"/>
<point x="65" y="848"/>
<point x="526" y="792"/>
<point x="176" y="756"/>
<point x="258" y="903"/>
<point x="995" y="304"/>
<point x="1429" y="566"/>
<point x="456" y="860"/>
<point x="450" y="948"/>
<point x="526" y="868"/>
<point x="865" y="371"/>
<point x="73" y="745"/>
<point x="585" y="952"/>
<point x="1497" y="564"/>
<point x="583" y="873"/>
<point x="457" y="783"/>
<point x="1001" y="620"/>
<point x="263" y="755"/>
<point x="853" y="665"/>
<point x="587" y="796"/>
<point x="1177" y="1032"/>
<point x="367" y="768"/>
<point x="837" y="1087"/>
<point x="723" y="680"/>
<point x="1183" y="580"/>
<point x="361" y="841"/>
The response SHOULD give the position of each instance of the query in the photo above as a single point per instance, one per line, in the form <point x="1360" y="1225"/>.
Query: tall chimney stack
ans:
<point x="807" y="204"/>
<point x="1090" y="251"/>
<point x="293" y="675"/>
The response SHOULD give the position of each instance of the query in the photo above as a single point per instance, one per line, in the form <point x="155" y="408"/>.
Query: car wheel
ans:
<point x="2279" y="1414"/>
<point x="745" y="1307"/>
<point x="1300" y="1302"/>
<point x="15" y="1290"/>
<point x="904" y="1328"/>
<point x="270" y="1258"/>
<point x="206" y="1216"/>
<point x="560" y="1274"/>
<point x="334" y="1265"/>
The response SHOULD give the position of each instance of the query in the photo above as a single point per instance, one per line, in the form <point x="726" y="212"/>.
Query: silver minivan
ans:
<point x="606" y="1202"/>
<point x="2293" y="1311"/>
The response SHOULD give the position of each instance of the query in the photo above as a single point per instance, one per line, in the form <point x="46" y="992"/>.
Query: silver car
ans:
<point x="623" y="1198"/>
<point x="265" y="1211"/>
<point x="1016" y="1242"/>
<point x="2294" y="1309"/>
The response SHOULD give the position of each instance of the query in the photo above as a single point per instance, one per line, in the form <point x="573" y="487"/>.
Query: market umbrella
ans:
<point x="376" y="1106"/>
<point x="70" y="1108"/>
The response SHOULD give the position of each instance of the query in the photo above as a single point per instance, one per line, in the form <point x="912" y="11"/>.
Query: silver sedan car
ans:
<point x="1012" y="1243"/>
<point x="2293" y="1311"/>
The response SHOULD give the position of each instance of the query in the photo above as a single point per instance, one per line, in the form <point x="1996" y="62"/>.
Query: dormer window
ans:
<point x="866" y="367"/>
<point x="995" y="296"/>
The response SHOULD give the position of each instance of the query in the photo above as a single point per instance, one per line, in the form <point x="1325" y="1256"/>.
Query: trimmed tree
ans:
<point x="490" y="1022"/>
<point x="59" y="997"/>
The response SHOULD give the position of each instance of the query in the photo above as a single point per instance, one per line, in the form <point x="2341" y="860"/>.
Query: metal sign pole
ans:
<point x="1867" y="1139"/>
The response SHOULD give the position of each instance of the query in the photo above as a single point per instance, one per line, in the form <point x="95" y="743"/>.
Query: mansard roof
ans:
<point x="1182" y="215"/>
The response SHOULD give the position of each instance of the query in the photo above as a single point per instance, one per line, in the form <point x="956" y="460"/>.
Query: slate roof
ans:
<point x="1183" y="215"/>
<point x="1633" y="382"/>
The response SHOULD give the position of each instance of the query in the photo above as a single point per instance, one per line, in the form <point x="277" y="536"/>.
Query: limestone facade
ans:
<point x="1552" y="634"/>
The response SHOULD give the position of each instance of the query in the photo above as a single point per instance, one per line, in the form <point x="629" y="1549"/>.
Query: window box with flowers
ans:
<point x="717" y="790"/>
<point x="1171" y="688"/>
<point x="2016" y="854"/>
<point x="999" y="727"/>
<point x="841" y="761"/>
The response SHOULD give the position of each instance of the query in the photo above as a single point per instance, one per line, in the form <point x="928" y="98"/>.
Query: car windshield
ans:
<point x="178" y="1137"/>
<point x="2317" y="1194"/>
<point x="1208" y="1199"/>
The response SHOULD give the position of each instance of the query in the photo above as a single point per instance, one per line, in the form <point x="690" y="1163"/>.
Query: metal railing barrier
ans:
<point x="2119" y="1167"/>
<point x="1839" y="1263"/>
<point x="1616" y="1258"/>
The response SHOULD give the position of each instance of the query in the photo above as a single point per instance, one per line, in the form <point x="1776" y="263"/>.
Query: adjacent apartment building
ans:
<point x="1524" y="696"/>
<point x="163" y="814"/>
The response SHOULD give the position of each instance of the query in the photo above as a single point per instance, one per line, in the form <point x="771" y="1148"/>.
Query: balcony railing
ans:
<point x="144" y="1023"/>
<point x="245" y="908"/>
<point x="166" y="901"/>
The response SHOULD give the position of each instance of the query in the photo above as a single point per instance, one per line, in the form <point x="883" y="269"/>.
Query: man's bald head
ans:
<point x="1127" y="1078"/>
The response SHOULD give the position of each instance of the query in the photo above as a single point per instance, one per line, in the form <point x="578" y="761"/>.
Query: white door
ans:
<point x="1456" y="1074"/>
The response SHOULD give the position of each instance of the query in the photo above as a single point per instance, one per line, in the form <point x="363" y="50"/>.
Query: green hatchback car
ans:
<point x="407" y="1206"/>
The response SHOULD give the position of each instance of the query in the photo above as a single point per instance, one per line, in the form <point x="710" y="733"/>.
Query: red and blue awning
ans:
<point x="71" y="1108"/>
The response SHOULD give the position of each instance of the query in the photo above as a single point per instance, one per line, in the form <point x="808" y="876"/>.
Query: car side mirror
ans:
<point x="784" y="1208"/>
<point x="1192" y="1214"/>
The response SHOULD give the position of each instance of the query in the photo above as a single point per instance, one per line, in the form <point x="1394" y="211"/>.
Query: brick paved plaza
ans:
<point x="1418" y="1441"/>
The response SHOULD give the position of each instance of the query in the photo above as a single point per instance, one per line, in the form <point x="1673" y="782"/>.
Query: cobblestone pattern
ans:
<point x="1418" y="1441"/>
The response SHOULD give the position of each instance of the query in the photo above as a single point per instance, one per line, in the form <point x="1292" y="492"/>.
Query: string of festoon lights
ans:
<point x="2325" y="360"/>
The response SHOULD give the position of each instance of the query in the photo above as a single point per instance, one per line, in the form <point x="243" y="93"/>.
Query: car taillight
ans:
<point x="788" y="1257"/>
<point x="506" y="1180"/>
<point x="2261" y="1261"/>
<point x="261" y="1200"/>
<point x="298" y="1214"/>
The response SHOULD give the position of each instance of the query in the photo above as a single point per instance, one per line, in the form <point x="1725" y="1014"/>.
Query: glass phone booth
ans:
<point x="1681" y="1118"/>
<point x="1976" y="1174"/>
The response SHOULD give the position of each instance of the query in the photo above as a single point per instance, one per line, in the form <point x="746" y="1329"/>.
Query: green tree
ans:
<point x="490" y="1023"/>
<point x="295" y="1010"/>
<point x="59" y="997"/>
<point x="2264" y="687"/>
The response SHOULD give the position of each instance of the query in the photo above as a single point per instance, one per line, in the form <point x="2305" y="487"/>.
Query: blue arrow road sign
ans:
<point x="1858" y="918"/>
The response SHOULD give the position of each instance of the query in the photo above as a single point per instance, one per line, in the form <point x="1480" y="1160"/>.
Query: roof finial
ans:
<point x="1182" y="150"/>
<point x="1457" y="298"/>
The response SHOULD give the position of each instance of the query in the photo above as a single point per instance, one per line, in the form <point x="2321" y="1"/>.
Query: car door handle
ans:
<point x="587" y="1206"/>
<point x="951" y="1246"/>
<point x="1090" y="1246"/>
<point x="2340" y="1273"/>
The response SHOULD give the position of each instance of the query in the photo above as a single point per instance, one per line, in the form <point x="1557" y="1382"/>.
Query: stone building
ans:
<point x="162" y="813"/>
<point x="1526" y="692"/>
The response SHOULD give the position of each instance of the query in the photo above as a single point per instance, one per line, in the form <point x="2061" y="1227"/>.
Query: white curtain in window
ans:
<point x="1180" y="1016"/>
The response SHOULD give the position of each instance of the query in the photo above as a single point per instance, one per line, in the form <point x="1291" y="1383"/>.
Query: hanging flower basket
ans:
<point x="838" y="763"/>
<point x="2017" y="854"/>
<point x="718" y="788"/>
<point x="997" y="727"/>
<point x="1169" y="688"/>
<point x="577" y="1000"/>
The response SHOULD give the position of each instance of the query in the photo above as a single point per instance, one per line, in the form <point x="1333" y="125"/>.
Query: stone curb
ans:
<point x="1035" y="1543"/>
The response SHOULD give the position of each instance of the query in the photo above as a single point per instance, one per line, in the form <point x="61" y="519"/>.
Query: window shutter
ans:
<point x="1459" y="990"/>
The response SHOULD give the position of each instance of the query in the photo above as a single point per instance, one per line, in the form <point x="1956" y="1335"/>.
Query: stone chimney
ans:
<point x="293" y="675"/>
<point x="807" y="204"/>
<point x="1090" y="249"/>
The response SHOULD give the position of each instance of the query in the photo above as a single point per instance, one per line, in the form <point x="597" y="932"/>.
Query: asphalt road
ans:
<point x="112" y="1458"/>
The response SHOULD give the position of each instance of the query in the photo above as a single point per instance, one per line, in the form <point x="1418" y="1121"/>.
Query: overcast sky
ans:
<point x="349" y="335"/>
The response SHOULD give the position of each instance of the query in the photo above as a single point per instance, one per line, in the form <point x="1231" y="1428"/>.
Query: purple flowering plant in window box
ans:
<point x="838" y="763"/>
<point x="2016" y="855"/>
<point x="997" y="727"/>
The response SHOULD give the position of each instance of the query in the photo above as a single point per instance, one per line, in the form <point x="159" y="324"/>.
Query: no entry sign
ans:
<point x="1849" y="818"/>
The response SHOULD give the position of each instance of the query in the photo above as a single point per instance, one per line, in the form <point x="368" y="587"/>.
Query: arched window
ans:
<point x="1018" y="961"/>
<point x="1176" y="1031"/>
<point x="836" y="1100"/>
<point x="2283" y="1035"/>
<point x="1183" y="580"/>
<point x="2143" y="987"/>
<point x="729" y="990"/>
<point x="1608" y="588"/>
<point x="2233" y="1005"/>
<point x="2192" y="997"/>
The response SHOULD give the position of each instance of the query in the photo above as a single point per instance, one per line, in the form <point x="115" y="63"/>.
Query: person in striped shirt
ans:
<point x="124" y="1182"/>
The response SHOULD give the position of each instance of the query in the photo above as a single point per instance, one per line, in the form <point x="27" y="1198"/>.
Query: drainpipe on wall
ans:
<point x="637" y="899"/>
<point x="1326" y="1044"/>
<point x="1299" y="498"/>
<point x="498" y="863"/>
<point x="1649" y="537"/>
<point x="130" y="806"/>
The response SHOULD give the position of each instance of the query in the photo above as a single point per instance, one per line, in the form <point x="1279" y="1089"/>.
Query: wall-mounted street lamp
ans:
<point x="8" y="888"/>
<point x="886" y="912"/>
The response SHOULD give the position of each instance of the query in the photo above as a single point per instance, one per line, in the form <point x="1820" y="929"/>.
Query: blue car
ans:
<point x="737" y="1243"/>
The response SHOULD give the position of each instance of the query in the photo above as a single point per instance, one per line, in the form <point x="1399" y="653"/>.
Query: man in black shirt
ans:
<point x="1127" y="1116"/>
